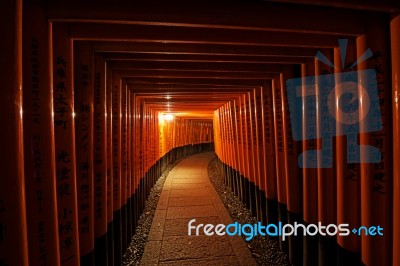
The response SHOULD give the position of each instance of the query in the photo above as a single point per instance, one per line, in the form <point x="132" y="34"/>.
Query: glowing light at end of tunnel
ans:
<point x="73" y="114"/>
<point x="160" y="118"/>
<point x="169" y="117"/>
<point x="165" y="117"/>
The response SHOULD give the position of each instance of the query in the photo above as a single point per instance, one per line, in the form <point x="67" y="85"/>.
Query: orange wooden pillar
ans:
<point x="145" y="152"/>
<point x="139" y="156"/>
<point x="64" y="129"/>
<point x="133" y="161"/>
<point x="228" y="127"/>
<point x="261" y="151"/>
<point x="216" y="123"/>
<point x="238" y="153"/>
<point x="326" y="153"/>
<point x="129" y="166"/>
<point x="395" y="43"/>
<point x="232" y="111"/>
<point x="110" y="163"/>
<point x="124" y="165"/>
<point x="40" y="174"/>
<point x="117" y="169"/>
<point x="376" y="178"/>
<point x="241" y="148"/>
<point x="245" y="138"/>
<point x="152" y="149"/>
<point x="224" y="148"/>
<point x="228" y="145"/>
<point x="280" y="150"/>
<point x="269" y="153"/>
<point x="310" y="176"/>
<point x="293" y="171"/>
<point x="83" y="103"/>
<point x="13" y="231"/>
<point x="223" y="142"/>
<point x="136" y="158"/>
<point x="220" y="134"/>
<point x="143" y="143"/>
<point x="347" y="175"/>
<point x="252" y="156"/>
<point x="286" y="187"/>
<point x="100" y="160"/>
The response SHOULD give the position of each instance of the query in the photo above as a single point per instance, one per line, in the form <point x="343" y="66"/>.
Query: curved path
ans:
<point x="187" y="194"/>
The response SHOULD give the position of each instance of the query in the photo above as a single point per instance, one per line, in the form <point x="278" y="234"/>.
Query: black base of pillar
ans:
<point x="100" y="248"/>
<point x="88" y="259"/>
<point x="110" y="243"/>
<point x="295" y="242"/>
<point x="282" y="212"/>
<point x="310" y="250"/>
<point x="272" y="211"/>
<point x="117" y="237"/>
<point x="346" y="257"/>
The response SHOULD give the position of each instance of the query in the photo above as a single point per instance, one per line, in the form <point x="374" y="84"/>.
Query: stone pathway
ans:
<point x="187" y="194"/>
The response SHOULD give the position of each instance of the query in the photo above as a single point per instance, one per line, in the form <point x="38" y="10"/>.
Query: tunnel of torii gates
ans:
<point x="97" y="99"/>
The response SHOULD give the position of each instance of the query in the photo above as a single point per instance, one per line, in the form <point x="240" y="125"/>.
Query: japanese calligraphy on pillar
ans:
<point x="60" y="100"/>
<point x="249" y="117"/>
<point x="267" y="117"/>
<point x="65" y="161"/>
<point x="100" y="165"/>
<point x="380" y="184"/>
<point x="36" y="143"/>
<point x="84" y="147"/>
<point x="116" y="129"/>
<point x="259" y="118"/>
<point x="124" y="135"/>
<point x="109" y="151"/>
<point x="278" y="117"/>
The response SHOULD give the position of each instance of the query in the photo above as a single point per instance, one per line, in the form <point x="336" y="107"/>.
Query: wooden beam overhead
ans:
<point x="259" y="16"/>
<point x="196" y="66"/>
<point x="202" y="49"/>
<point x="168" y="34"/>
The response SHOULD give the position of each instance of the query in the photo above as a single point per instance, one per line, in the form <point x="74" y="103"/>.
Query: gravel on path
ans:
<point x="134" y="253"/>
<point x="264" y="250"/>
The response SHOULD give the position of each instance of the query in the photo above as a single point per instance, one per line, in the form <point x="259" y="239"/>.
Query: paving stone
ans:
<point x="203" y="211"/>
<point x="194" y="247"/>
<point x="188" y="181"/>
<point x="157" y="226"/>
<point x="187" y="174"/>
<point x="189" y="186"/>
<point x="220" y="261"/>
<point x="189" y="201"/>
<point x="242" y="252"/>
<point x="151" y="253"/>
<point x="188" y="192"/>
<point x="178" y="212"/>
<point x="163" y="201"/>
